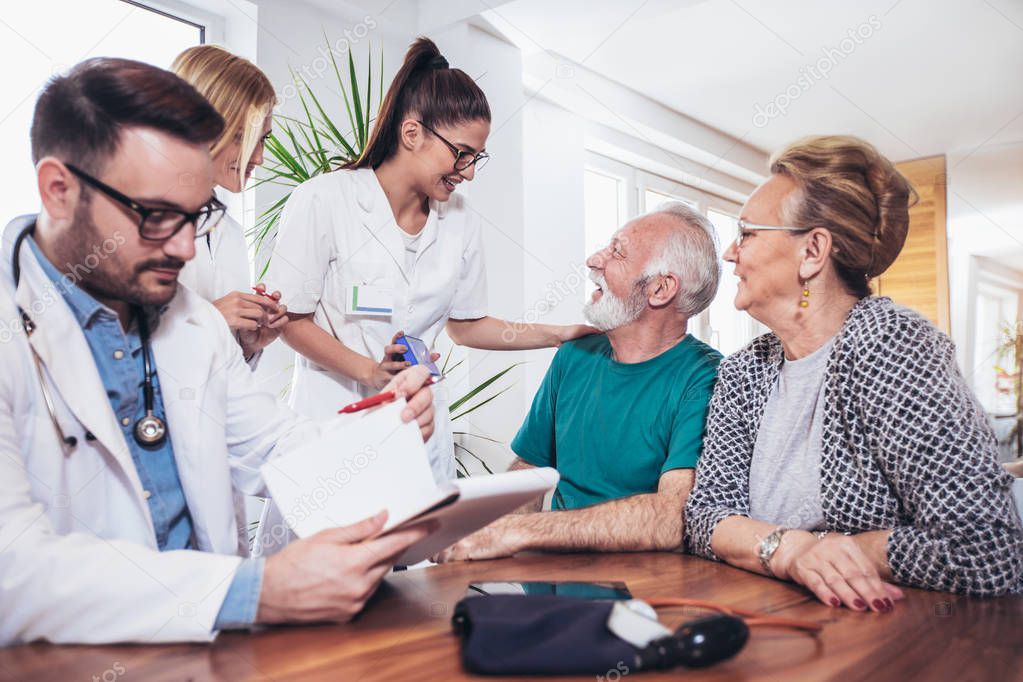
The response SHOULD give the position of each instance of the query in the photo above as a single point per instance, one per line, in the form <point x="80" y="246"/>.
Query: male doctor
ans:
<point x="129" y="422"/>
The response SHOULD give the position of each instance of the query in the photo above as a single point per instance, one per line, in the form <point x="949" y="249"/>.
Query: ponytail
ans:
<point x="427" y="87"/>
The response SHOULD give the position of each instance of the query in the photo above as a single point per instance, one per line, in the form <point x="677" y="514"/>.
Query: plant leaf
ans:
<point x="341" y="83"/>
<point x="369" y="89"/>
<point x="477" y="435"/>
<point x="360" y="127"/>
<point x="316" y="152"/>
<point x="480" y="404"/>
<point x="336" y="134"/>
<point x="474" y="456"/>
<point x="482" y="387"/>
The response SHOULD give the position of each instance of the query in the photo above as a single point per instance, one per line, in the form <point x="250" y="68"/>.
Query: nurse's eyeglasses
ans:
<point x="160" y="224"/>
<point x="463" y="159"/>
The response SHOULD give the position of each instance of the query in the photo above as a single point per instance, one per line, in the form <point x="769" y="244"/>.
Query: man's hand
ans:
<point x="410" y="384"/>
<point x="331" y="575"/>
<point x="500" y="539"/>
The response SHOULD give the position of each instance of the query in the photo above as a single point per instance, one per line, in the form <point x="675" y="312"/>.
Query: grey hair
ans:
<point x="691" y="254"/>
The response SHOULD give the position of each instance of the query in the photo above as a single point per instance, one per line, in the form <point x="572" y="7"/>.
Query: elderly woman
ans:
<point x="843" y="450"/>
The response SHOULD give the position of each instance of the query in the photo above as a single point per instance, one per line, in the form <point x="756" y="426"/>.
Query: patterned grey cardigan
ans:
<point x="906" y="446"/>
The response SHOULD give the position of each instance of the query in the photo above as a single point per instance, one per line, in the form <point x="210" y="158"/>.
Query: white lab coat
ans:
<point x="78" y="555"/>
<point x="337" y="230"/>
<point x="220" y="266"/>
<point x="221" y="263"/>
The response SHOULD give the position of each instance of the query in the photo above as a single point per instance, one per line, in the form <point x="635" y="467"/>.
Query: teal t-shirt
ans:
<point x="610" y="428"/>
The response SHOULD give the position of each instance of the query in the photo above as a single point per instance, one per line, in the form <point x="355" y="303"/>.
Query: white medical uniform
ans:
<point x="79" y="561"/>
<point x="220" y="266"/>
<point x="338" y="231"/>
<point x="221" y="263"/>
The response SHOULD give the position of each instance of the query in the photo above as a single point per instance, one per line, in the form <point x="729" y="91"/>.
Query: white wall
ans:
<point x="496" y="194"/>
<point x="555" y="272"/>
<point x="985" y="218"/>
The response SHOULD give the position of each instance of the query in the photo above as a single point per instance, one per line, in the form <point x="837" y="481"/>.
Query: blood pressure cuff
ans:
<point x="507" y="634"/>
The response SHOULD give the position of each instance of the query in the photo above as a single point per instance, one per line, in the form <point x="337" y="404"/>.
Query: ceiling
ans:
<point x="917" y="77"/>
<point x="914" y="77"/>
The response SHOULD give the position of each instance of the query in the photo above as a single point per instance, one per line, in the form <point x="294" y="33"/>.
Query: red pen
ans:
<point x="262" y="292"/>
<point x="367" y="403"/>
<point x="377" y="399"/>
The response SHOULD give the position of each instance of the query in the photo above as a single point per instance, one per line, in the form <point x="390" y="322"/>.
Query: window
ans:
<point x="41" y="47"/>
<point x="998" y="309"/>
<point x="604" y="210"/>
<point x="615" y="192"/>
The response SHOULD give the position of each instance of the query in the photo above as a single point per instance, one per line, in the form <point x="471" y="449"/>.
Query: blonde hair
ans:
<point x="848" y="187"/>
<point x="239" y="91"/>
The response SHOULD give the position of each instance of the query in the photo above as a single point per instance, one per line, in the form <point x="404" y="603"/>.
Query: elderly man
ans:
<point x="621" y="416"/>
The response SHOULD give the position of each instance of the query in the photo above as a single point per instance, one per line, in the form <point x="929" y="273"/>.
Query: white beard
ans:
<point x="610" y="312"/>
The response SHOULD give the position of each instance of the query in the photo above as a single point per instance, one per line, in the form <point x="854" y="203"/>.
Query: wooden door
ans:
<point x="918" y="278"/>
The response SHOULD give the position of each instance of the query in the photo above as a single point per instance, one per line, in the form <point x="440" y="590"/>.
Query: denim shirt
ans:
<point x="118" y="357"/>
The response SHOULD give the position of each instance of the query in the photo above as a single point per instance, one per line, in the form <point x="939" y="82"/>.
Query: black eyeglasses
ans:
<point x="160" y="224"/>
<point x="463" y="159"/>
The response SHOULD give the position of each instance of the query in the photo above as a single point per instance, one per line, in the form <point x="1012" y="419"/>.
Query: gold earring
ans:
<point x="805" y="303"/>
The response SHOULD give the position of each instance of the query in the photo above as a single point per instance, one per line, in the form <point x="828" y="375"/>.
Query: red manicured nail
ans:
<point x="878" y="604"/>
<point x="835" y="602"/>
<point x="860" y="604"/>
<point x="889" y="603"/>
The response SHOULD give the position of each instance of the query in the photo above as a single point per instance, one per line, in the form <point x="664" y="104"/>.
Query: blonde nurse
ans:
<point x="244" y="97"/>
<point x="387" y="245"/>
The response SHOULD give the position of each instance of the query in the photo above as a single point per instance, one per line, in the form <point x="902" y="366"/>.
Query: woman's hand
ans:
<point x="377" y="375"/>
<point x="255" y="319"/>
<point x="411" y="384"/>
<point x="574" y="331"/>
<point x="835" y="569"/>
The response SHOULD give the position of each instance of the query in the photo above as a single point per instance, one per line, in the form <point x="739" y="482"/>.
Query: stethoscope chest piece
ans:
<point x="150" y="430"/>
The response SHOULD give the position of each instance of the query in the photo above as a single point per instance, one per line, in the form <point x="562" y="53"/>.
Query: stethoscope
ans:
<point x="150" y="431"/>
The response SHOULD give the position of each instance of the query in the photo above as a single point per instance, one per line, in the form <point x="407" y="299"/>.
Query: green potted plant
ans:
<point x="302" y="148"/>
<point x="1010" y="349"/>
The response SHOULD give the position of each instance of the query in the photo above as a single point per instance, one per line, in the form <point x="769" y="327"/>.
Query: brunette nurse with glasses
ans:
<point x="388" y="245"/>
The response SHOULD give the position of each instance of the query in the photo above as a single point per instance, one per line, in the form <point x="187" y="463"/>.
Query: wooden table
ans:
<point x="405" y="633"/>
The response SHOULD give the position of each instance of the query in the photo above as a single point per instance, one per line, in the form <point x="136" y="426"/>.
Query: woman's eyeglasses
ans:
<point x="160" y="224"/>
<point x="746" y="229"/>
<point x="463" y="159"/>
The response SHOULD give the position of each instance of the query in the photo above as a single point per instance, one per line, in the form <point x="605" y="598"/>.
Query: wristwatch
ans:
<point x="768" y="546"/>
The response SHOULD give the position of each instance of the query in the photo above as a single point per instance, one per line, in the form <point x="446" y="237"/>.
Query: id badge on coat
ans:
<point x="368" y="299"/>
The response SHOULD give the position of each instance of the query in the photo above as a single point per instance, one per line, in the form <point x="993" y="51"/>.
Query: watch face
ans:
<point x="769" y="545"/>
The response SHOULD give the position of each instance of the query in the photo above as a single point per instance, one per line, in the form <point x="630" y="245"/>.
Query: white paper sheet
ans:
<point x="356" y="469"/>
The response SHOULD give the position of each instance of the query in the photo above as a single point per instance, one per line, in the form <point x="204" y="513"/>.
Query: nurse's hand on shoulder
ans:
<point x="411" y="384"/>
<point x="574" y="331"/>
<point x="331" y="575"/>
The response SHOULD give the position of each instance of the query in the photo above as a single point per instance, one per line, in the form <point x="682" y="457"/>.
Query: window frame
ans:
<point x="634" y="183"/>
